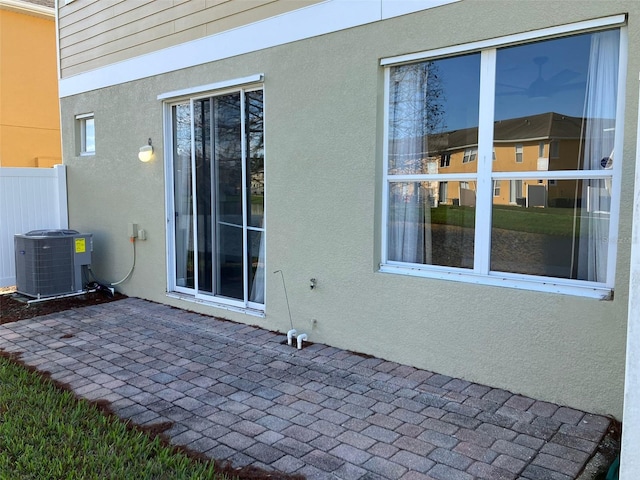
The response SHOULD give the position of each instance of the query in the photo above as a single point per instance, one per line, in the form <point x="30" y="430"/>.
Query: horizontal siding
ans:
<point x="103" y="56"/>
<point x="94" y="33"/>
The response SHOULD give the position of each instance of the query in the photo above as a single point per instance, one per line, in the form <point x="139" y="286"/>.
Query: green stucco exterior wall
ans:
<point x="323" y="129"/>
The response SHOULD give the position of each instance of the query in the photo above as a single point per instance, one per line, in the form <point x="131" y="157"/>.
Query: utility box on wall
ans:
<point x="50" y="262"/>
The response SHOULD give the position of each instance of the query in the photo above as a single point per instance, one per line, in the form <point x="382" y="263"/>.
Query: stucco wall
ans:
<point x="323" y="127"/>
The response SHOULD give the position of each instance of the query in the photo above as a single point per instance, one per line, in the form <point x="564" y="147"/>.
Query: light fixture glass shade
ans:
<point x="146" y="153"/>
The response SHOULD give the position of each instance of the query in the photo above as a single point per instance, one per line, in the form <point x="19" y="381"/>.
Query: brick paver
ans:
<point x="235" y="392"/>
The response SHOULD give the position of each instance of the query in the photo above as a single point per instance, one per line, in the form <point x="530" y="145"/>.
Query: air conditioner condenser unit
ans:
<point x="50" y="262"/>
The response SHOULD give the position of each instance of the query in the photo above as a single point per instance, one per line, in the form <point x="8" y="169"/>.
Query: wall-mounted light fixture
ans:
<point x="146" y="152"/>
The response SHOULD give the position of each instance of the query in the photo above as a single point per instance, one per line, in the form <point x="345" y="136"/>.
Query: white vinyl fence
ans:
<point x="30" y="199"/>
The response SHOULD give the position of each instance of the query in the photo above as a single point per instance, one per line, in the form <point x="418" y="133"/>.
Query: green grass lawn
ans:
<point x="549" y="221"/>
<point x="46" y="433"/>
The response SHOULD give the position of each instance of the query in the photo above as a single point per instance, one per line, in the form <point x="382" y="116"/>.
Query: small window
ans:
<point x="541" y="150"/>
<point x="445" y="160"/>
<point x="470" y="155"/>
<point x="443" y="192"/>
<point x="496" y="188"/>
<point x="518" y="153"/>
<point x="86" y="134"/>
<point x="554" y="149"/>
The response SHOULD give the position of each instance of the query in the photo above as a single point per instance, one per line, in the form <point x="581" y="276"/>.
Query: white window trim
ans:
<point x="545" y="33"/>
<point x="243" y="84"/>
<point x="212" y="87"/>
<point x="481" y="274"/>
<point x="200" y="300"/>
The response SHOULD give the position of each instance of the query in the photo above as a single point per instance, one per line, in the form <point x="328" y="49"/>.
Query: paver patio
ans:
<point x="235" y="392"/>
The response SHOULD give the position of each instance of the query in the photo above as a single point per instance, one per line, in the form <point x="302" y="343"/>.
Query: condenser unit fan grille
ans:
<point x="49" y="263"/>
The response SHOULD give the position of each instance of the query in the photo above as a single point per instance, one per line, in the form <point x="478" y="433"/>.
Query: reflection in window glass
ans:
<point x="182" y="193"/>
<point x="562" y="91"/>
<point x="443" y="192"/>
<point x="548" y="236"/>
<point x="433" y="110"/>
<point x="433" y="114"/>
<point x="90" y="136"/>
<point x="518" y="153"/>
<point x="470" y="155"/>
<point x="437" y="234"/>
<point x="553" y="125"/>
<point x="86" y="134"/>
<point x="218" y="171"/>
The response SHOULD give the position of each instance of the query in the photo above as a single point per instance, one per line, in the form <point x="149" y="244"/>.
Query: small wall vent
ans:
<point x="49" y="262"/>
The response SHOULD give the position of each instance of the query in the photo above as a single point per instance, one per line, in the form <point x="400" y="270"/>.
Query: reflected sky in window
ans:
<point x="459" y="81"/>
<point x="540" y="77"/>
<point x="90" y="135"/>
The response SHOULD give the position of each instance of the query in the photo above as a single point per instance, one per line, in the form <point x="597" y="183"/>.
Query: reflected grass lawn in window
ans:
<point x="550" y="221"/>
<point x="531" y="241"/>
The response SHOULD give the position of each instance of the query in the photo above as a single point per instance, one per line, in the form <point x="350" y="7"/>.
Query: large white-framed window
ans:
<point x="504" y="94"/>
<point x="86" y="134"/>
<point x="216" y="172"/>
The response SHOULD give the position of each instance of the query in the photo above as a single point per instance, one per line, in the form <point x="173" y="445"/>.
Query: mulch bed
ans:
<point x="14" y="307"/>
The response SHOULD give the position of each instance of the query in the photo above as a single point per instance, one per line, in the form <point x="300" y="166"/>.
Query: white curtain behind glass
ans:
<point x="599" y="114"/>
<point x="409" y="214"/>
<point x="257" y="285"/>
<point x="184" y="219"/>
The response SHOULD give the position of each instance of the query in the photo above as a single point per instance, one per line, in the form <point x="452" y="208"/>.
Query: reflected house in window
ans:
<point x="407" y="160"/>
<point x="544" y="142"/>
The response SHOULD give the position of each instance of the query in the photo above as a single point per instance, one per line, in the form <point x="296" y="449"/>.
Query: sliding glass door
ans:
<point x="218" y="198"/>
